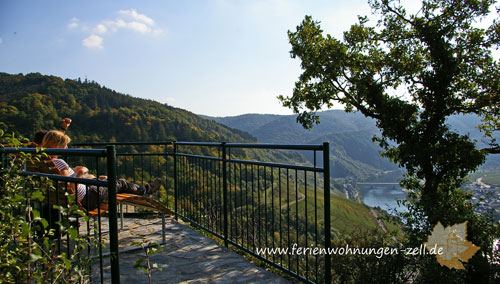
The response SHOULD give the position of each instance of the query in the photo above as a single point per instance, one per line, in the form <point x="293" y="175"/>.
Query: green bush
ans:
<point x="30" y="249"/>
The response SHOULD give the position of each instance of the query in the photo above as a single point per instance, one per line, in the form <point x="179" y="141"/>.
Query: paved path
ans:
<point x="187" y="257"/>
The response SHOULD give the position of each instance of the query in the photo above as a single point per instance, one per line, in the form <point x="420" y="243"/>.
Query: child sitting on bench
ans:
<point x="91" y="196"/>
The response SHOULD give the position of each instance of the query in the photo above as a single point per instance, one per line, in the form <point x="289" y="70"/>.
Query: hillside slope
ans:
<point x="32" y="102"/>
<point x="350" y="135"/>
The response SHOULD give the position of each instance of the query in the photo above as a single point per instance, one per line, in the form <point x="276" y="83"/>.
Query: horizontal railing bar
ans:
<point x="85" y="181"/>
<point x="275" y="146"/>
<point x="199" y="156"/>
<point x="210" y="144"/>
<point x="317" y="147"/>
<point x="122" y="143"/>
<point x="268" y="164"/>
<point x="55" y="151"/>
<point x="145" y="154"/>
<point x="255" y="145"/>
<point x="277" y="165"/>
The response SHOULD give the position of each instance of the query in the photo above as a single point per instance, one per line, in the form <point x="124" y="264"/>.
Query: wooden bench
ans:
<point x="148" y="203"/>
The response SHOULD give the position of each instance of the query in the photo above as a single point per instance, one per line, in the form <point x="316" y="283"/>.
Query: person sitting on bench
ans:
<point x="90" y="197"/>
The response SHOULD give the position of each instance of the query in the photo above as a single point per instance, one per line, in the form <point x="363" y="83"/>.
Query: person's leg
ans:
<point x="94" y="197"/>
<point x="123" y="186"/>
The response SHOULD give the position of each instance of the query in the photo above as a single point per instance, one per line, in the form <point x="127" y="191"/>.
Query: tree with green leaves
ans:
<point x="410" y="72"/>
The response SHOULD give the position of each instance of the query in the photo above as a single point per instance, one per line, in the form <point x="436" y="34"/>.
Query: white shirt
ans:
<point x="62" y="165"/>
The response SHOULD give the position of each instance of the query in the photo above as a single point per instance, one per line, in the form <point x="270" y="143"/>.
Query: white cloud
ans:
<point x="132" y="13"/>
<point x="100" y="29"/>
<point x="1" y="41"/>
<point x="139" y="27"/>
<point x="128" y="20"/>
<point x="93" y="42"/>
<point x="73" y="23"/>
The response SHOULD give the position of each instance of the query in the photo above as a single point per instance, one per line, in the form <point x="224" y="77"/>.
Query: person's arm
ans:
<point x="81" y="171"/>
<point x="65" y="124"/>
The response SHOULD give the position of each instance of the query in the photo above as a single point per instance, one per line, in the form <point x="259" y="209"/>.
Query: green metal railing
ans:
<point x="249" y="204"/>
<point x="227" y="190"/>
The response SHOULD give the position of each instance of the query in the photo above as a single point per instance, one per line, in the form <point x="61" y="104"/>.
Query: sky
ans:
<point x="212" y="57"/>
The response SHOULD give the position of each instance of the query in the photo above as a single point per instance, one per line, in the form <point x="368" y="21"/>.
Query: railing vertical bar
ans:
<point x="241" y="205"/>
<point x="297" y="216"/>
<point x="208" y="193"/>
<point x="59" y="233"/>
<point x="288" y="212"/>
<point x="280" y="223"/>
<point x="306" y="226"/>
<point x="210" y="185"/>
<point x="229" y="200"/>
<point x="326" y="167"/>
<point x="213" y="185"/>
<point x="272" y="213"/>
<point x="224" y="181"/>
<point x="221" y="195"/>
<point x="113" y="224"/>
<point x="189" y="192"/>
<point x="315" y="216"/>
<point x="246" y="207"/>
<point x="181" y="188"/>
<point x="197" y="189"/>
<point x="185" y="187"/>
<point x="191" y="188"/>
<point x="259" y="218"/>
<point x="203" y="207"/>
<point x="266" y="231"/>
<point x="204" y="190"/>
<point x="229" y="196"/>
<point x="199" y="194"/>
<point x="101" y="264"/>
<point x="100" y="235"/>
<point x="253" y="206"/>
<point x="234" y="218"/>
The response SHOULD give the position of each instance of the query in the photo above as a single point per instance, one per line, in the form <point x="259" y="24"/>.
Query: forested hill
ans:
<point x="32" y="102"/>
<point x="352" y="152"/>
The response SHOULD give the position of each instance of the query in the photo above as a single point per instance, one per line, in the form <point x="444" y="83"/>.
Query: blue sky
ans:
<point x="217" y="57"/>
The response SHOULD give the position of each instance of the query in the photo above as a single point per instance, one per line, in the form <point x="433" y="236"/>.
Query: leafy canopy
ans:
<point x="440" y="59"/>
<point x="410" y="72"/>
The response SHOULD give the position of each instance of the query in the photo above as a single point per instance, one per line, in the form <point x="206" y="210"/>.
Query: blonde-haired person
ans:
<point x="92" y="195"/>
<point x="37" y="140"/>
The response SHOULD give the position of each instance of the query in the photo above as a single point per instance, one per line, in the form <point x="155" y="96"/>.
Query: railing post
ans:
<point x="224" y="193"/>
<point x="113" y="222"/>
<point x="328" y="235"/>
<point x="175" y="180"/>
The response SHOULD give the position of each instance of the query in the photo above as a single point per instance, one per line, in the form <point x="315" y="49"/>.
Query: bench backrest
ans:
<point x="46" y="166"/>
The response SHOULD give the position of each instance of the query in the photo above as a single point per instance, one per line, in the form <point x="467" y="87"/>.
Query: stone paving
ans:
<point x="187" y="257"/>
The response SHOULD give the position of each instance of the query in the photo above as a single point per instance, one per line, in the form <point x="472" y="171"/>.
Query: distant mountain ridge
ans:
<point x="350" y="135"/>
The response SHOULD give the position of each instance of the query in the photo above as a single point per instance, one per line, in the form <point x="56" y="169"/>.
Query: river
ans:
<point x="383" y="195"/>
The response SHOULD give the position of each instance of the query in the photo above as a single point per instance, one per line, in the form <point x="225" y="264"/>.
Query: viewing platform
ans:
<point x="246" y="196"/>
<point x="187" y="257"/>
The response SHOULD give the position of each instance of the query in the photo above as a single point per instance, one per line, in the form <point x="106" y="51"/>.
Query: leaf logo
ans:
<point x="455" y="246"/>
